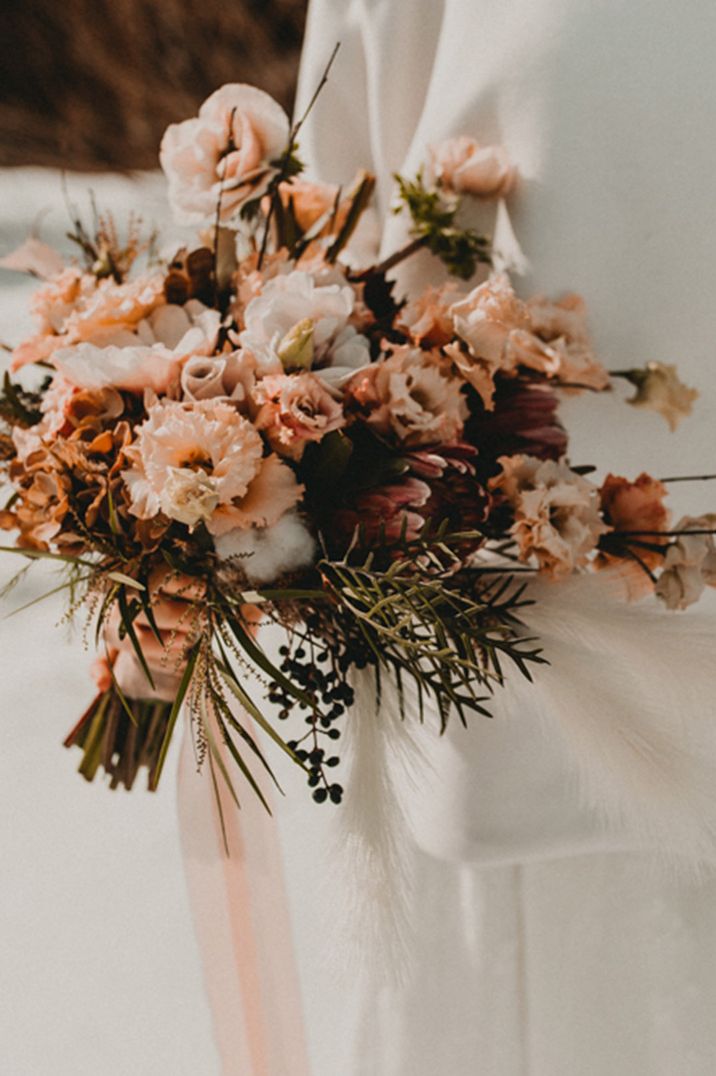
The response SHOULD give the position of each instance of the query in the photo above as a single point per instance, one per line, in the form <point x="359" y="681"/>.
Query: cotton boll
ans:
<point x="268" y="552"/>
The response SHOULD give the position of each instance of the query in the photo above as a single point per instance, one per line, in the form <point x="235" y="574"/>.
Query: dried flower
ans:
<point x="659" y="389"/>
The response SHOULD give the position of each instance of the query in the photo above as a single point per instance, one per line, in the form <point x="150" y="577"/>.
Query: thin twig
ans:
<point x="689" y="478"/>
<point x="392" y="260"/>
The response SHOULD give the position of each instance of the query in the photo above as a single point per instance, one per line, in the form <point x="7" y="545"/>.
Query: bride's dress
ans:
<point x="543" y="946"/>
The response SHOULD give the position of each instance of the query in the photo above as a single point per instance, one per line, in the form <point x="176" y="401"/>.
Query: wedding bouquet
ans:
<point x="261" y="429"/>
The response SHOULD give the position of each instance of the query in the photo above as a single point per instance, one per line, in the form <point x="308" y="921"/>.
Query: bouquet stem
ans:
<point x="117" y="743"/>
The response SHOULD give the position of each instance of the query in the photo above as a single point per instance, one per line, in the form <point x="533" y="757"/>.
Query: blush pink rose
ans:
<point x="467" y="167"/>
<point x="227" y="150"/>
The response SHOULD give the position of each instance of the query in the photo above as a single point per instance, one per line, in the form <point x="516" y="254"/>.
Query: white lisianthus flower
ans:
<point x="225" y="153"/>
<point x="296" y="324"/>
<point x="203" y="461"/>
<point x="266" y="553"/>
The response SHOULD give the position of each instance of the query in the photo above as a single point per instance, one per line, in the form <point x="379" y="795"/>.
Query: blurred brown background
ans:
<point x="92" y="84"/>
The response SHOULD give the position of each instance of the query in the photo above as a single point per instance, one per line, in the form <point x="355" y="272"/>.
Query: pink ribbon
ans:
<point x="242" y="921"/>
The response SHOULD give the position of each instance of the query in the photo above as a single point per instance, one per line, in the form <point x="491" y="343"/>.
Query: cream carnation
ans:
<point x="410" y="396"/>
<point x="296" y="324"/>
<point x="428" y="317"/>
<point x="557" y="519"/>
<point x="197" y="462"/>
<point x="226" y="152"/>
<point x="558" y="344"/>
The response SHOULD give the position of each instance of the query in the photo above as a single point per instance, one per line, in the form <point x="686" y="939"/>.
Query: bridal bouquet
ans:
<point x="260" y="428"/>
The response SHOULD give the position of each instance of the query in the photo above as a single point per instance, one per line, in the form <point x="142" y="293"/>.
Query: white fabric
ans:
<point x="532" y="957"/>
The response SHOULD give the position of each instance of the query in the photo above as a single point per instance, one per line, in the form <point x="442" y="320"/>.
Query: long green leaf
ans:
<point x="127" y="623"/>
<point x="173" y="715"/>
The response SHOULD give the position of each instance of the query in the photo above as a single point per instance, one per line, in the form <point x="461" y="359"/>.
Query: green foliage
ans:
<point x="446" y="629"/>
<point x="434" y="223"/>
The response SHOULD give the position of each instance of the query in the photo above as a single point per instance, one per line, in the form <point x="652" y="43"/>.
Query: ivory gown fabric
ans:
<point x="544" y="947"/>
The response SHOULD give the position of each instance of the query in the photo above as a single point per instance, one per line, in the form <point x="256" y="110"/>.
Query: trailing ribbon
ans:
<point x="242" y="923"/>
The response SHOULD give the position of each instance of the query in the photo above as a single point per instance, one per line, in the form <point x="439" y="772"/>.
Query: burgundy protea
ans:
<point x="382" y="515"/>
<point x="457" y="496"/>
<point x="524" y="421"/>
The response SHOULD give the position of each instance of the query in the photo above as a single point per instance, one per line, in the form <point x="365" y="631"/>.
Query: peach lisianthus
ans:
<point x="113" y="307"/>
<point x="295" y="409"/>
<point x="412" y="397"/>
<point x="559" y="331"/>
<point x="634" y="506"/>
<point x="231" y="374"/>
<point x="557" y="519"/>
<point x="427" y="318"/>
<point x="132" y="369"/>
<point x="465" y="166"/>
<point x="485" y="321"/>
<point x="203" y="462"/>
<point x="225" y="154"/>
<point x="187" y="329"/>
